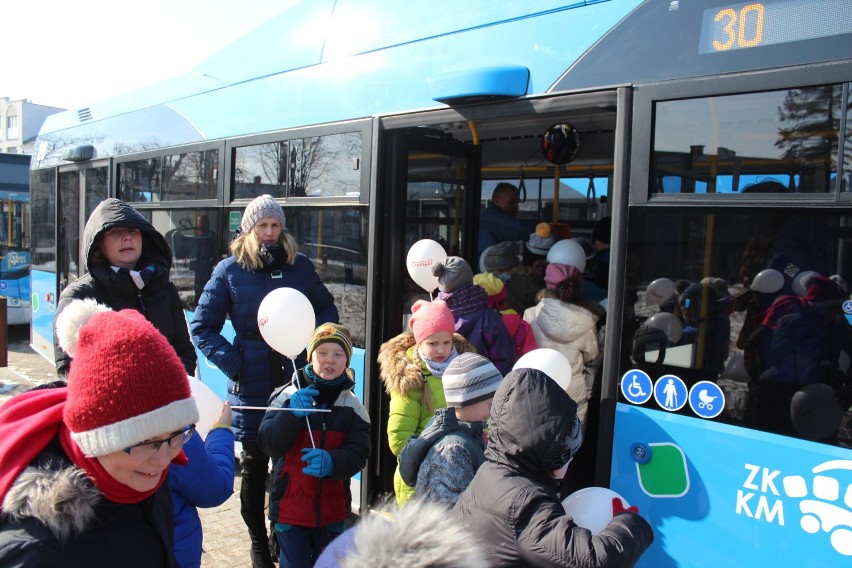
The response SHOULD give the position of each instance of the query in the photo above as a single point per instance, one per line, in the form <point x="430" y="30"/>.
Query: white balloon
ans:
<point x="568" y="252"/>
<point x="550" y="362"/>
<point x="591" y="507"/>
<point x="768" y="281"/>
<point x="668" y="323"/>
<point x="815" y="412"/>
<point x="659" y="291"/>
<point x="209" y="406"/>
<point x="735" y="369"/>
<point x="802" y="280"/>
<point x="421" y="256"/>
<point x="286" y="321"/>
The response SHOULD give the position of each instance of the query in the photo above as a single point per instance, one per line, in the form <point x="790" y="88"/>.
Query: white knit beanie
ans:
<point x="260" y="207"/>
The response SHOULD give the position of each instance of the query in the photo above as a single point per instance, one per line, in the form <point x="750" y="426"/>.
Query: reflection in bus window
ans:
<point x="319" y="166"/>
<point x="755" y="304"/>
<point x="725" y="144"/>
<point x="174" y="177"/>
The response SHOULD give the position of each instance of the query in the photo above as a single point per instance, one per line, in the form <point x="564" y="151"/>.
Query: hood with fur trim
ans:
<point x="56" y="493"/>
<point x="399" y="372"/>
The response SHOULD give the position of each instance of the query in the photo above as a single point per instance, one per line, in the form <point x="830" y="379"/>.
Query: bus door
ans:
<point x="78" y="192"/>
<point x="431" y="191"/>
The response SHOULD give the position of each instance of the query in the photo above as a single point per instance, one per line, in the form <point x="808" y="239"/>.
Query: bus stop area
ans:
<point x="226" y="541"/>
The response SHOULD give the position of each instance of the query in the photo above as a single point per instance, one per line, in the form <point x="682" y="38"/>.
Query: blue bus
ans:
<point x="15" y="236"/>
<point x="716" y="135"/>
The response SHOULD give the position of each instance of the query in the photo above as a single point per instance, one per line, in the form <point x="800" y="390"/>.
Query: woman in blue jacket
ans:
<point x="263" y="257"/>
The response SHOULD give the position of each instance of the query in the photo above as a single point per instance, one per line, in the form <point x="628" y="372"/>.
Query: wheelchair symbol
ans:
<point x="636" y="386"/>
<point x="635" y="389"/>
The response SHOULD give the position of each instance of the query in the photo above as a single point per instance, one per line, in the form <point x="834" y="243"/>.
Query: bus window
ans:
<point x="195" y="239"/>
<point x="174" y="177"/>
<point x="754" y="302"/>
<point x="726" y="144"/>
<point x="319" y="166"/>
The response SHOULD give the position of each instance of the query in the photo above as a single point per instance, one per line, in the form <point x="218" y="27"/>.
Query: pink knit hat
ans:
<point x="556" y="273"/>
<point x="428" y="318"/>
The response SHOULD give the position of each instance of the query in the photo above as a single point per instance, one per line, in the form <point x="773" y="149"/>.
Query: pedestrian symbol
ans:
<point x="706" y="399"/>
<point x="636" y="386"/>
<point x="670" y="393"/>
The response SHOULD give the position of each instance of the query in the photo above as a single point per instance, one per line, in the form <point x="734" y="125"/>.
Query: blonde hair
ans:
<point x="246" y="249"/>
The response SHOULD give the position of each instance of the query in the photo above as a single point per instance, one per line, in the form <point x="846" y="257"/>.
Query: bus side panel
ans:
<point x="719" y="495"/>
<point x="43" y="304"/>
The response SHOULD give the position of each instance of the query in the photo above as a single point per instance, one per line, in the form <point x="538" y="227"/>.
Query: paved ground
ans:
<point x="225" y="538"/>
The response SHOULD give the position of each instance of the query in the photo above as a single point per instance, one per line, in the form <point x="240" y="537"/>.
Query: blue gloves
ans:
<point x="303" y="398"/>
<point x="319" y="462"/>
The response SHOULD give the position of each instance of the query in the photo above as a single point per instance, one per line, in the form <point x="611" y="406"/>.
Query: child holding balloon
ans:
<point x="411" y="366"/>
<point x="512" y="503"/>
<point x="316" y="453"/>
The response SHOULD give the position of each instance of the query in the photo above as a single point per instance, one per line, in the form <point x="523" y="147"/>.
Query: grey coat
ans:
<point x="441" y="462"/>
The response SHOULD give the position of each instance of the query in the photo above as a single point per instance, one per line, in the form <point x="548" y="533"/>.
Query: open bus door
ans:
<point x="432" y="187"/>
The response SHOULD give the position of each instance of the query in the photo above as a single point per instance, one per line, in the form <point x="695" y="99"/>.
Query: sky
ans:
<point x="71" y="54"/>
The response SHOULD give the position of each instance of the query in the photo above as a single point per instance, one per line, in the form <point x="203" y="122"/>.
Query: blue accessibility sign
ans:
<point x="636" y="386"/>
<point x="670" y="393"/>
<point x="706" y="399"/>
<point x="847" y="307"/>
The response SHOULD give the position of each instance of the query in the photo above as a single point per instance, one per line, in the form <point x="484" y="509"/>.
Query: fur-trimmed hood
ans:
<point x="402" y="373"/>
<point x="56" y="493"/>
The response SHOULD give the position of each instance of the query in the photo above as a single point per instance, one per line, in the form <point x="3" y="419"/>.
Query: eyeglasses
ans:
<point x="146" y="450"/>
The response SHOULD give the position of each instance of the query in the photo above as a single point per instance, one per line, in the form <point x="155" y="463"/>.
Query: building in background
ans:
<point x="20" y="122"/>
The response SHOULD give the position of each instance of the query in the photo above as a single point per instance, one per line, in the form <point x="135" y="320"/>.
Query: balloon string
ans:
<point x="307" y="420"/>
<point x="431" y="298"/>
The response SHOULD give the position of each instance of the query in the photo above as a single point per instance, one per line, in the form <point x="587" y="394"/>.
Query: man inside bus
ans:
<point x="498" y="222"/>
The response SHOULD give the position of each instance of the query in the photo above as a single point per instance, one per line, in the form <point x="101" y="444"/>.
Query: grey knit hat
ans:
<point x="260" y="207"/>
<point x="470" y="378"/>
<point x="452" y="273"/>
<point x="501" y="256"/>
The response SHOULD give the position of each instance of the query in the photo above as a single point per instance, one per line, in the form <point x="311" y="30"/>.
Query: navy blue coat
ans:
<point x="254" y="368"/>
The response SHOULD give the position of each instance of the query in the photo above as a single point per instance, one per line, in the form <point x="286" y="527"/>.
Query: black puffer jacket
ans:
<point x="512" y="502"/>
<point x="158" y="301"/>
<point x="54" y="516"/>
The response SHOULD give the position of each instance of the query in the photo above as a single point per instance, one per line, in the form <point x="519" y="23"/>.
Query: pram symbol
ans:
<point x="706" y="401"/>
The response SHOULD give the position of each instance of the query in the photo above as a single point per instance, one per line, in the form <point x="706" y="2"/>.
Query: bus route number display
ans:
<point x="755" y="24"/>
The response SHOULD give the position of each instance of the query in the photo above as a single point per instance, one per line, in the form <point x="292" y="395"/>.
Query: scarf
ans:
<point x="30" y="421"/>
<point x="139" y="277"/>
<point x="437" y="369"/>
<point x="328" y="390"/>
<point x="274" y="257"/>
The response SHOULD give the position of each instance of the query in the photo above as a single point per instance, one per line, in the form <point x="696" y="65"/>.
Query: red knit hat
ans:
<point x="428" y="318"/>
<point x="556" y="273"/>
<point x="126" y="383"/>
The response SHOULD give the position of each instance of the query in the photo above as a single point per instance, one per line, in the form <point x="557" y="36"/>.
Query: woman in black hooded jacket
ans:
<point x="139" y="281"/>
<point x="512" y="503"/>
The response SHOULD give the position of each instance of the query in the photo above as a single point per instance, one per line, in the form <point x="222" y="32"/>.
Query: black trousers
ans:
<point x="255" y="466"/>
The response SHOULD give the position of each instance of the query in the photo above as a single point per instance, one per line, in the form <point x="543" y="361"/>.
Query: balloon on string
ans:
<point x="768" y="281"/>
<point x="421" y="256"/>
<point x="815" y="412"/>
<point x="802" y="280"/>
<point x="550" y="362"/>
<point x="568" y="252"/>
<point x="668" y="323"/>
<point x="286" y="321"/>
<point x="591" y="507"/>
<point x="209" y="406"/>
<point x="659" y="291"/>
